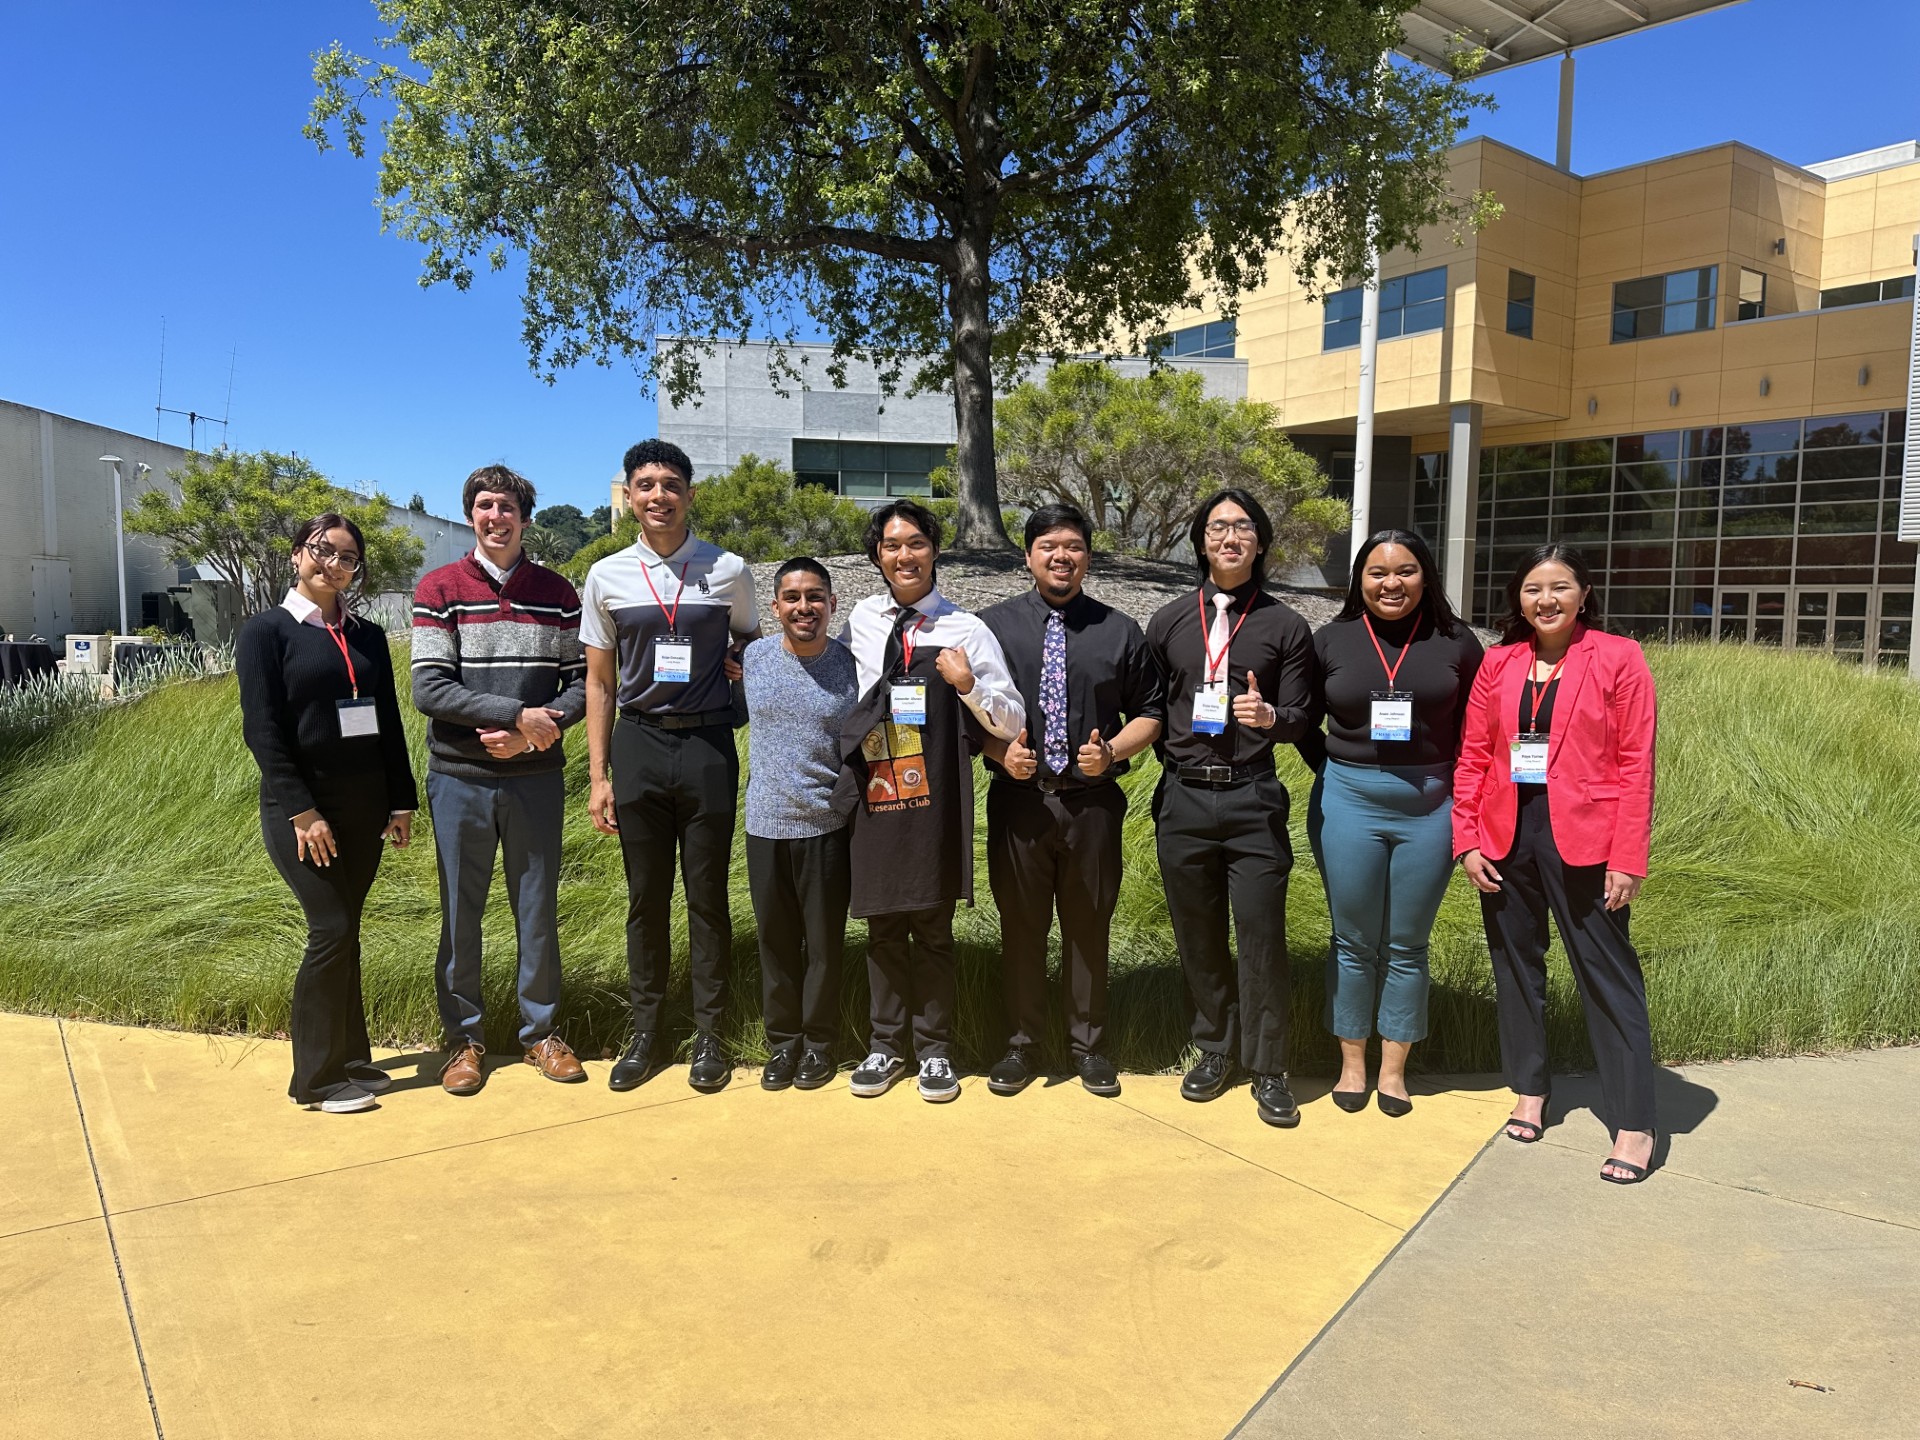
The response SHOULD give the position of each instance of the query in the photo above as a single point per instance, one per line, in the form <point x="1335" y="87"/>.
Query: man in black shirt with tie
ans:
<point x="1055" y="808"/>
<point x="1238" y="668"/>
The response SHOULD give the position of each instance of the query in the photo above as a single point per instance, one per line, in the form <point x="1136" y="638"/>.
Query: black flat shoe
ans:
<point x="1013" y="1073"/>
<point x="816" y="1069"/>
<point x="1391" y="1106"/>
<point x="777" y="1074"/>
<point x="1209" y="1079"/>
<point x="631" y="1070"/>
<point x="1097" y="1074"/>
<point x="1275" y="1102"/>
<point x="1351" y="1101"/>
<point x="710" y="1070"/>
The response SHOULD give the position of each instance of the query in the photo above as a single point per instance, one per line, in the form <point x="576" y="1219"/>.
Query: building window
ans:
<point x="867" y="469"/>
<point x="1870" y="293"/>
<point x="1665" y="304"/>
<point x="1211" y="341"/>
<point x="1408" y="306"/>
<point x="1520" y="304"/>
<point x="1753" y="295"/>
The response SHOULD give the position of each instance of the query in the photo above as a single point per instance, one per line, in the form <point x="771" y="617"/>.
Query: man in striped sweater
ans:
<point x="499" y="672"/>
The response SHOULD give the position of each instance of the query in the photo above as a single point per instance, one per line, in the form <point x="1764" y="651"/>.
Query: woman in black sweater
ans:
<point x="1393" y="672"/>
<point x="318" y="708"/>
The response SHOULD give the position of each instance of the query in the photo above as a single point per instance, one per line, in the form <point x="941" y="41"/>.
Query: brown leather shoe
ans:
<point x="555" y="1060"/>
<point x="464" y="1073"/>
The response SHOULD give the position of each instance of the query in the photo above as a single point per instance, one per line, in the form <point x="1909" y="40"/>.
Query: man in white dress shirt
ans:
<point x="928" y="670"/>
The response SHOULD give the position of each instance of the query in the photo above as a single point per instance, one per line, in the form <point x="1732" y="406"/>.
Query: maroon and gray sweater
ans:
<point x="483" y="651"/>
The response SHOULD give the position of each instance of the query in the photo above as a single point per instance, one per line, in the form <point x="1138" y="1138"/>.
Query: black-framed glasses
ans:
<point x="1220" y="529"/>
<point x="332" y="558"/>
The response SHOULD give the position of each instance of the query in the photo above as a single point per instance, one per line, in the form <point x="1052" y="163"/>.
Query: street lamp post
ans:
<point x="119" y="540"/>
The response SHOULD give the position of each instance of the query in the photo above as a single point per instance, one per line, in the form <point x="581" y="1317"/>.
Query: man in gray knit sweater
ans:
<point x="498" y="669"/>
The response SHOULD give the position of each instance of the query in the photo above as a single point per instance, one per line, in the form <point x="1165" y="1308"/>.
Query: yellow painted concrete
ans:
<point x="44" y="1177"/>
<point x="554" y="1260"/>
<point x="67" y="1363"/>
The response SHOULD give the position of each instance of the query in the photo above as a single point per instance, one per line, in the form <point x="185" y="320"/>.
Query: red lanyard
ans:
<point x="1538" y="692"/>
<point x="1206" y="640"/>
<point x="1393" y="670"/>
<point x="906" y="644"/>
<point x="339" y="637"/>
<point x="673" y="615"/>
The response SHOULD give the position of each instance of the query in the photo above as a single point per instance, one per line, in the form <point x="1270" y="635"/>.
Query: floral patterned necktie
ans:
<point x="1053" y="692"/>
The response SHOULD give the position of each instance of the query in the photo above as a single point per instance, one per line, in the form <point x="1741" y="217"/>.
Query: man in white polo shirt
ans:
<point x="659" y="620"/>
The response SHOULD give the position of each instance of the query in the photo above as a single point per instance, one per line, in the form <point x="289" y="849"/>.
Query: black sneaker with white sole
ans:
<point x="938" y="1083"/>
<point x="876" y="1074"/>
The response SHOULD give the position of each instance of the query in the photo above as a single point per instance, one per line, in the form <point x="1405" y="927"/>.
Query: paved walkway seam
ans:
<point x="1754" y="1190"/>
<point x="1247" y="1160"/>
<point x="1361" y="1289"/>
<point x="113" y="1244"/>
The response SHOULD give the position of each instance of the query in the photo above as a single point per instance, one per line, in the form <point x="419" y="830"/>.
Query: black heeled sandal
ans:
<point x="1537" y="1129"/>
<point x="1635" y="1173"/>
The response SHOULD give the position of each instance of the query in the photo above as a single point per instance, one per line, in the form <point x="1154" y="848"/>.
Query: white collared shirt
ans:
<point x="499" y="575"/>
<point x="994" y="699"/>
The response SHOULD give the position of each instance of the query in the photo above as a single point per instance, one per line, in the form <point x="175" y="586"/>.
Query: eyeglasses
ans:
<point x="1220" y="529"/>
<point x="331" y="557"/>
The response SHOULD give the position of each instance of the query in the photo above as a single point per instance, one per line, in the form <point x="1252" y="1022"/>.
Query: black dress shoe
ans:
<point x="631" y="1070"/>
<point x="1275" y="1101"/>
<point x="1209" y="1079"/>
<point x="1097" y="1074"/>
<point x="710" y="1070"/>
<point x="778" y="1072"/>
<point x="1389" y="1105"/>
<point x="1013" y="1074"/>
<point x="816" y="1069"/>
<point x="1353" y="1101"/>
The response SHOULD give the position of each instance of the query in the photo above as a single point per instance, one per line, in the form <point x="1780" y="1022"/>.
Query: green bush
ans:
<point x="1780" y="916"/>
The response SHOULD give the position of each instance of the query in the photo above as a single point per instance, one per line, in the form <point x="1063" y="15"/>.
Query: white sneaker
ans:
<point x="347" y="1101"/>
<point x="938" y="1083"/>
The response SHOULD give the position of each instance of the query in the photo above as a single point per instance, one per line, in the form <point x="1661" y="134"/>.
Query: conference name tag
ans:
<point x="1527" y="757"/>
<point x="910" y="703"/>
<point x="358" y="717"/>
<point x="1392" y="715"/>
<point x="673" y="659"/>
<point x="1210" y="709"/>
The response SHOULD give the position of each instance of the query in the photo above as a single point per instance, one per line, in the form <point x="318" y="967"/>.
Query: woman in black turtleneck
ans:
<point x="318" y="707"/>
<point x="1393" y="672"/>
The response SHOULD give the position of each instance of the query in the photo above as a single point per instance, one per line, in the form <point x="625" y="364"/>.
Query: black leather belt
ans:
<point x="1219" y="777"/>
<point x="680" y="722"/>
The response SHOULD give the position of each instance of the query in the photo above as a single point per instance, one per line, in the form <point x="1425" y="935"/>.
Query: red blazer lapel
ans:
<point x="1566" y="704"/>
<point x="1519" y="662"/>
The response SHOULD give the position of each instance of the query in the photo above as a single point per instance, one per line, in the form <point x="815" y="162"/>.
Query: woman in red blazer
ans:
<point x="1552" y="808"/>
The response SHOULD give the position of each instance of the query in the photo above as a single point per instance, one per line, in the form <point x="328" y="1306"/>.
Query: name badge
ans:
<point x="358" y="717"/>
<point x="1527" y="758"/>
<point x="1392" y="715"/>
<point x="910" y="702"/>
<point x="673" y="659"/>
<point x="1210" y="709"/>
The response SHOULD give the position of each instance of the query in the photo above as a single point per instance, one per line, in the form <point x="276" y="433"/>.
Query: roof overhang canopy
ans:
<point x="1514" y="32"/>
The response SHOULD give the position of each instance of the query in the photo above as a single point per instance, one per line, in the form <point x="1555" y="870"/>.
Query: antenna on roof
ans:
<point x="195" y="419"/>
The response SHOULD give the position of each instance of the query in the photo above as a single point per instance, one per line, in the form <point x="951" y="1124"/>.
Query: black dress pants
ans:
<point x="910" y="972"/>
<point x="329" y="1021"/>
<point x="800" y="893"/>
<point x="1533" y="881"/>
<point x="676" y="790"/>
<point x="1225" y="850"/>
<point x="1046" y="852"/>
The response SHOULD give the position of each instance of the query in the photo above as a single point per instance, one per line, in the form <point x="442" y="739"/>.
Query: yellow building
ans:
<point x="1695" y="369"/>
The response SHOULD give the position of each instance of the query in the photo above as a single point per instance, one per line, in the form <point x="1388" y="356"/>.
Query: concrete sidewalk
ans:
<point x="184" y="1253"/>
<point x="1780" y="1242"/>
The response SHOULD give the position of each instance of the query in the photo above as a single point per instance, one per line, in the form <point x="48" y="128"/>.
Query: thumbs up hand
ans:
<point x="1250" y="710"/>
<point x="1095" y="756"/>
<point x="1020" y="762"/>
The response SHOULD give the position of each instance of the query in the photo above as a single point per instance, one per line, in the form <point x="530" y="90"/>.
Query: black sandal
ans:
<point x="1635" y="1173"/>
<point x="1538" y="1128"/>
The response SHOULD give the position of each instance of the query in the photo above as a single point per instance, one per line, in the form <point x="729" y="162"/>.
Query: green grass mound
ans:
<point x="1781" y="916"/>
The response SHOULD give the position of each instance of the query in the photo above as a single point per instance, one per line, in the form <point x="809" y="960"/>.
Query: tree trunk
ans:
<point x="979" y="482"/>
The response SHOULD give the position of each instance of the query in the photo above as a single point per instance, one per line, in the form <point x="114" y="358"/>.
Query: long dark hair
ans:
<point x="320" y="525"/>
<point x="1513" y="625"/>
<point x="1262" y="529"/>
<point x="1433" y="597"/>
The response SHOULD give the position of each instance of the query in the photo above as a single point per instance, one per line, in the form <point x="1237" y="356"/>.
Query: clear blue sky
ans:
<point x="153" y="165"/>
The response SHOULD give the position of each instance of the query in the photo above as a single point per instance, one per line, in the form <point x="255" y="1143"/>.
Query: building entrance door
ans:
<point x="1833" y="620"/>
<point x="1756" y="615"/>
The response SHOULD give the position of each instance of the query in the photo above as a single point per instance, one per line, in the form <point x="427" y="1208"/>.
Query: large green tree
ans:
<point x="1138" y="453"/>
<point x="976" y="181"/>
<point x="237" y="512"/>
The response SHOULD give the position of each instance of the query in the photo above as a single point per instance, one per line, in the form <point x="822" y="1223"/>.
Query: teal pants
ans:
<point x="1383" y="839"/>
